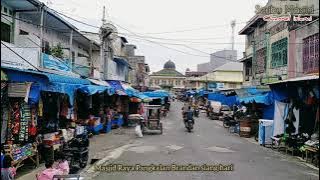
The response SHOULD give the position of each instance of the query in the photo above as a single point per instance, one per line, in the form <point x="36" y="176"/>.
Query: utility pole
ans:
<point x="70" y="47"/>
<point x="254" y="59"/>
<point x="268" y="53"/>
<point x="41" y="36"/>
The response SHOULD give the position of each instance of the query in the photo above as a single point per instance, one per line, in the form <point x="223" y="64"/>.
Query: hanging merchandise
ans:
<point x="40" y="108"/>
<point x="33" y="122"/>
<point x="15" y="114"/>
<point x="24" y="122"/>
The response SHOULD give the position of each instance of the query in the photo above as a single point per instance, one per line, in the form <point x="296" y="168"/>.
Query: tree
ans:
<point x="57" y="51"/>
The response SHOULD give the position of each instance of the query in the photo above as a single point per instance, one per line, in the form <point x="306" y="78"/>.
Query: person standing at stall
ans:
<point x="7" y="171"/>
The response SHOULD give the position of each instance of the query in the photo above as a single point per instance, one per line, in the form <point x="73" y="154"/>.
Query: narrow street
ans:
<point x="210" y="144"/>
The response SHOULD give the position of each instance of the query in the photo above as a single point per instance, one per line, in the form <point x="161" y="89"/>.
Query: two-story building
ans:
<point x="272" y="47"/>
<point x="35" y="36"/>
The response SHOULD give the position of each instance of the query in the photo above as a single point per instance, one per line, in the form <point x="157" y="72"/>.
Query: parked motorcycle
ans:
<point x="77" y="151"/>
<point x="229" y="121"/>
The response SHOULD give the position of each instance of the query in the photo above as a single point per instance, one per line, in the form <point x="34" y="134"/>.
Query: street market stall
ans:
<point x="296" y="119"/>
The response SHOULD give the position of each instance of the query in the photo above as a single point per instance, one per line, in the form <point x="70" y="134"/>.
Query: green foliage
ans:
<point x="57" y="51"/>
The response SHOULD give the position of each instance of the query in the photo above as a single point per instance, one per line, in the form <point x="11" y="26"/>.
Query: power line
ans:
<point x="193" y="29"/>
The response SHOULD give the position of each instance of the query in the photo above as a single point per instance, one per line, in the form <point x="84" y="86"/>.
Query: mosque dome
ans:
<point x="169" y="65"/>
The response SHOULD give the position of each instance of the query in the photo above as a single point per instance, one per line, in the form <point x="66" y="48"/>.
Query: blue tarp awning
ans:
<point x="249" y="91"/>
<point x="121" y="61"/>
<point x="93" y="89"/>
<point x="156" y="94"/>
<point x="117" y="87"/>
<point x="265" y="98"/>
<point x="225" y="100"/>
<point x="43" y="81"/>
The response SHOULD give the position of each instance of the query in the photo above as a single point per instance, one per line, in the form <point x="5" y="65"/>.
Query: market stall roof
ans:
<point x="130" y="91"/>
<point x="93" y="89"/>
<point x="259" y="98"/>
<point x="304" y="78"/>
<point x="250" y="91"/>
<point x="110" y="90"/>
<point x="15" y="75"/>
<point x="156" y="94"/>
<point x="117" y="87"/>
<point x="43" y="81"/>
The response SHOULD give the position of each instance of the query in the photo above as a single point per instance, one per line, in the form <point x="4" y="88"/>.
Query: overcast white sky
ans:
<point x="207" y="23"/>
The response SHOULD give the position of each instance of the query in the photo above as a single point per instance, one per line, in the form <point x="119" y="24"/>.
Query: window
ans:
<point x="10" y="12"/>
<point x="261" y="60"/>
<point x="5" y="10"/>
<point x="45" y="47"/>
<point x="232" y="85"/>
<point x="157" y="81"/>
<point x="5" y="32"/>
<point x="22" y="32"/>
<point x="310" y="54"/>
<point x="73" y="57"/>
<point x="164" y="82"/>
<point x="279" y="53"/>
<point x="178" y="82"/>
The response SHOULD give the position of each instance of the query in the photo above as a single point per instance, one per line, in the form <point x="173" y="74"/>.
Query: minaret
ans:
<point x="233" y="25"/>
<point x="104" y="15"/>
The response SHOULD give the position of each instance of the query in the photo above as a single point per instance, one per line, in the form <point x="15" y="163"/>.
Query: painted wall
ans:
<point x="296" y="51"/>
<point x="226" y="76"/>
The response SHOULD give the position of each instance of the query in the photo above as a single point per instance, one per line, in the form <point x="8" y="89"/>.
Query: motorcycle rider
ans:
<point x="188" y="114"/>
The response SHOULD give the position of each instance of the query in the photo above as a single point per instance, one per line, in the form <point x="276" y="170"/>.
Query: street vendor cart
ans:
<point x="152" y="123"/>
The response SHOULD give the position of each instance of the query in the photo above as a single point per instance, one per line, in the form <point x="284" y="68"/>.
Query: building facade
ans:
<point x="139" y="74"/>
<point x="192" y="77"/>
<point x="227" y="76"/>
<point x="27" y="45"/>
<point x="168" y="78"/>
<point x="217" y="59"/>
<point x="274" y="50"/>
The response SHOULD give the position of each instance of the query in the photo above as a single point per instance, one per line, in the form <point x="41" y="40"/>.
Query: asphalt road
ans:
<point x="209" y="144"/>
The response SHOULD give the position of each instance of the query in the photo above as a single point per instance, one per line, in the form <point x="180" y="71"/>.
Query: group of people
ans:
<point x="106" y="114"/>
<point x="60" y="167"/>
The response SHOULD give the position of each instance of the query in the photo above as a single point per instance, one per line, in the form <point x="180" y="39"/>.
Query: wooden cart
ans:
<point x="153" y="122"/>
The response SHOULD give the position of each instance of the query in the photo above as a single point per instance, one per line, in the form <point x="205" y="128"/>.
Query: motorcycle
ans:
<point x="188" y="122"/>
<point x="189" y="125"/>
<point x="229" y="121"/>
<point x="77" y="151"/>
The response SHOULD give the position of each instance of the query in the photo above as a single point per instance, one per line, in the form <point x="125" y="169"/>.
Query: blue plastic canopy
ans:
<point x="156" y="94"/>
<point x="264" y="98"/>
<point x="93" y="89"/>
<point x="117" y="87"/>
<point x="225" y="100"/>
<point x="43" y="81"/>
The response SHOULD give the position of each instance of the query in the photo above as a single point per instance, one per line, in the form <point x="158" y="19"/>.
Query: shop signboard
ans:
<point x="214" y="86"/>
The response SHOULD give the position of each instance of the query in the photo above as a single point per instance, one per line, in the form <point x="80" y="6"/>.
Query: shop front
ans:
<point x="296" y="118"/>
<point x="38" y="114"/>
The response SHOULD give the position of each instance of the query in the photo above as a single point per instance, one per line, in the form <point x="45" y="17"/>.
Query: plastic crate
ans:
<point x="120" y="122"/>
<point x="95" y="129"/>
<point x="108" y="127"/>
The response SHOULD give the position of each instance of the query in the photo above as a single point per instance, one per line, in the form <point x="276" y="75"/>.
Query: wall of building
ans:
<point x="177" y="82"/>
<point x="219" y="58"/>
<point x="297" y="50"/>
<point x="51" y="36"/>
<point x="226" y="76"/>
<point x="204" y="67"/>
